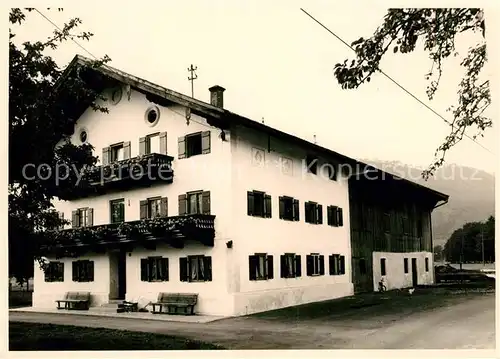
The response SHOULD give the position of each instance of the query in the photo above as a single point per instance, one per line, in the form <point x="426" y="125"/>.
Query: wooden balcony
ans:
<point x="174" y="231"/>
<point x="121" y="175"/>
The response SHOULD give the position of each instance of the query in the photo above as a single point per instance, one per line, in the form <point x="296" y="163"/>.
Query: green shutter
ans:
<point x="298" y="266"/>
<point x="164" y="207"/>
<point x="144" y="270"/>
<point x="205" y="202"/>
<point x="182" y="205"/>
<point x="296" y="216"/>
<point x="183" y="269"/>
<point x="90" y="217"/>
<point x="106" y="152"/>
<point x="342" y="265"/>
<point x="341" y="218"/>
<point x="182" y="147"/>
<point x="250" y="203"/>
<point x="164" y="269"/>
<point x="283" y="267"/>
<point x="205" y="142"/>
<point x="319" y="218"/>
<point x="321" y="265"/>
<point x="267" y="206"/>
<point x="281" y="207"/>
<point x="252" y="264"/>
<point x="75" y="219"/>
<point x="163" y="143"/>
<point x="75" y="271"/>
<point x="142" y="146"/>
<point x="90" y="271"/>
<point x="126" y="150"/>
<point x="270" y="267"/>
<point x="309" y="265"/>
<point x="208" y="268"/>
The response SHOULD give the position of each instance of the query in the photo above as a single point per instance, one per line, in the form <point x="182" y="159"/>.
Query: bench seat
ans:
<point x="75" y="300"/>
<point x="173" y="301"/>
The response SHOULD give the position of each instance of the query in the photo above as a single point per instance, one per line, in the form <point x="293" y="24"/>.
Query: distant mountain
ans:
<point x="471" y="191"/>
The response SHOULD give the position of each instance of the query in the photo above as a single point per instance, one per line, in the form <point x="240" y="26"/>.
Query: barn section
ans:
<point x="391" y="232"/>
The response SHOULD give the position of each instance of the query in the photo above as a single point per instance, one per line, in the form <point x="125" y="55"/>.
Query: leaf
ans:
<point x="395" y="49"/>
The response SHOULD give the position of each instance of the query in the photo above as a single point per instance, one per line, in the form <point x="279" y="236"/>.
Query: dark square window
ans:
<point x="83" y="217"/>
<point x="116" y="152"/>
<point x="153" y="143"/>
<point x="195" y="203"/>
<point x="289" y="208"/>
<point x="154" y="269"/>
<point x="117" y="210"/>
<point x="337" y="264"/>
<point x="313" y="212"/>
<point x="290" y="264"/>
<point x="258" y="204"/>
<point x="193" y="144"/>
<point x="54" y="272"/>
<point x="83" y="271"/>
<point x="382" y="266"/>
<point x="426" y="264"/>
<point x="260" y="266"/>
<point x="315" y="264"/>
<point x="195" y="269"/>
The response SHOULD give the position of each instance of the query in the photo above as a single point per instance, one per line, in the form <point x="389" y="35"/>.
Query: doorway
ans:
<point x="414" y="272"/>
<point x="118" y="272"/>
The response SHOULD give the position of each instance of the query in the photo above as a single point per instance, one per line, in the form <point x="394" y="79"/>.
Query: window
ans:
<point x="154" y="207"/>
<point x="260" y="266"/>
<point x="197" y="202"/>
<point x="60" y="215"/>
<point x="82" y="217"/>
<point x="312" y="164"/>
<point x="195" y="269"/>
<point x="83" y="136"/>
<point x="154" y="269"/>
<point x="387" y="222"/>
<point x="335" y="216"/>
<point x="117" y="152"/>
<point x="153" y="143"/>
<point x="313" y="213"/>
<point x="83" y="271"/>
<point x="117" y="210"/>
<point x="194" y="144"/>
<point x="315" y="264"/>
<point x="382" y="266"/>
<point x="152" y="115"/>
<point x="406" y="265"/>
<point x="258" y="204"/>
<point x="54" y="272"/>
<point x="291" y="266"/>
<point x="426" y="264"/>
<point x="289" y="208"/>
<point x="337" y="264"/>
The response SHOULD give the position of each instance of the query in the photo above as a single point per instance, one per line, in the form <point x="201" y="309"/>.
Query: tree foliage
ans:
<point x="466" y="243"/>
<point x="437" y="31"/>
<point x="39" y="130"/>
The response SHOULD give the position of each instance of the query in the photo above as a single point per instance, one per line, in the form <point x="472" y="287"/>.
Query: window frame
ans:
<point x="383" y="266"/>
<point x="151" y="200"/>
<point x="316" y="210"/>
<point x="187" y="270"/>
<point x="336" y="264"/>
<point x="268" y="267"/>
<point x="113" y="156"/>
<point x="318" y="265"/>
<point x="87" y="267"/>
<point x="113" y="202"/>
<point x="54" y="274"/>
<point x="293" y="261"/>
<point x="155" y="275"/>
<point x="265" y="211"/>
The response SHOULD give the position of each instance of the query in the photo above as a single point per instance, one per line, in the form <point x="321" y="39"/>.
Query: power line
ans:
<point x="394" y="81"/>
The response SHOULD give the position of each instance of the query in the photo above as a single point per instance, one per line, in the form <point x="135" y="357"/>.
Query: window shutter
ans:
<point x="144" y="270"/>
<point x="126" y="150"/>
<point x="205" y="142"/>
<point x="163" y="207"/>
<point x="142" y="146"/>
<point x="61" y="269"/>
<point x="208" y="268"/>
<point x="75" y="220"/>
<point x="182" y="147"/>
<point x="329" y="211"/>
<point x="281" y="207"/>
<point x="283" y="268"/>
<point x="319" y="218"/>
<point x="163" y="143"/>
<point x="90" y="271"/>
<point x="321" y="265"/>
<point x="270" y="267"/>
<point x="309" y="265"/>
<point x="341" y="218"/>
<point x="296" y="216"/>
<point x="298" y="266"/>
<point x="267" y="206"/>
<point x="331" y="265"/>
<point x="47" y="273"/>
<point x="342" y="265"/>
<point x="182" y="205"/>
<point x="205" y="202"/>
<point x="143" y="208"/>
<point x="164" y="268"/>
<point x="75" y="271"/>
<point x="90" y="217"/>
<point x="335" y="216"/>
<point x="252" y="264"/>
<point x="250" y="203"/>
<point x="183" y="269"/>
<point x="307" y="212"/>
<point x="105" y="155"/>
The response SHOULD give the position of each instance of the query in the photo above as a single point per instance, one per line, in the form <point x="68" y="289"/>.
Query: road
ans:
<point x="468" y="324"/>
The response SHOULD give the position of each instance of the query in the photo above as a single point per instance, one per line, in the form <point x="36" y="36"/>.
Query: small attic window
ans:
<point x="116" y="95"/>
<point x="152" y="115"/>
<point x="83" y="136"/>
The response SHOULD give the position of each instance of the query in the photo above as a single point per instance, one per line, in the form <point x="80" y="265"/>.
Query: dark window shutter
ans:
<point x="330" y="264"/>
<point x="283" y="267"/>
<point x="182" y="205"/>
<point x="307" y="212"/>
<point x="105" y="155"/>
<point x="61" y="269"/>
<point x="90" y="271"/>
<point x="205" y="202"/>
<point x="208" y="268"/>
<point x="335" y="216"/>
<point x="270" y="267"/>
<point x="267" y="206"/>
<point x="143" y="208"/>
<point x="205" y="142"/>
<point x="164" y="207"/>
<point x="90" y="217"/>
<point x="164" y="268"/>
<point x="144" y="269"/>
<point x="329" y="215"/>
<point x="342" y="265"/>
<point x="296" y="210"/>
<point x="75" y="220"/>
<point x="309" y="265"/>
<point x="183" y="269"/>
<point x="163" y="143"/>
<point x="341" y="218"/>
<point x="250" y="203"/>
<point x="281" y="207"/>
<point x="182" y="146"/>
<point x="322" y="265"/>
<point x="252" y="264"/>
<point x="142" y="146"/>
<point x="298" y="266"/>
<point x="47" y="273"/>
<point x="126" y="150"/>
<point x="75" y="271"/>
<point x="319" y="218"/>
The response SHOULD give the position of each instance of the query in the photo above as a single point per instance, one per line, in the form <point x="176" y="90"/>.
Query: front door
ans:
<point x="122" y="271"/>
<point x="414" y="272"/>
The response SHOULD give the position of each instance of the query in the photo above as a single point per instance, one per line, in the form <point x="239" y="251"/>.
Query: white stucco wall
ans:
<point x="395" y="276"/>
<point x="276" y="236"/>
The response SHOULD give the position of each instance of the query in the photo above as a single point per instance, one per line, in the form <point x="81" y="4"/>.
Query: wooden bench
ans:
<point x="75" y="300"/>
<point x="174" y="301"/>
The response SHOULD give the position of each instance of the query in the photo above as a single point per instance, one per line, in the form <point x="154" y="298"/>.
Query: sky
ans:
<point x="276" y="65"/>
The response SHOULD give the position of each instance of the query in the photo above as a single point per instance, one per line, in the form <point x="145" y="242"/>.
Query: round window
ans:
<point x="83" y="136"/>
<point x="116" y="95"/>
<point x="152" y="115"/>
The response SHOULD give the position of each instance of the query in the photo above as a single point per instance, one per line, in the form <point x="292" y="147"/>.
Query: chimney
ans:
<point x="216" y="96"/>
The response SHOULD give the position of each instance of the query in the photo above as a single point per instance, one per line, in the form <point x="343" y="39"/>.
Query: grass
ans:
<point x="20" y="298"/>
<point x="34" y="336"/>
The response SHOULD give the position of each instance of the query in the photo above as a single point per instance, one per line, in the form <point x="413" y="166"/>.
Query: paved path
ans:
<point x="470" y="324"/>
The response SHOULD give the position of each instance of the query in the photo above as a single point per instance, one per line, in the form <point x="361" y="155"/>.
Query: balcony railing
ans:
<point x="173" y="231"/>
<point x="121" y="175"/>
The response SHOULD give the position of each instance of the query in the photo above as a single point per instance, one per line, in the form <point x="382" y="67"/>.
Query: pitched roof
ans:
<point x="223" y="118"/>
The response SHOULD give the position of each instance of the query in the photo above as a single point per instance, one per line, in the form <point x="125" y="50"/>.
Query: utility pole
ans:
<point x="192" y="77"/>
<point x="482" y="244"/>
